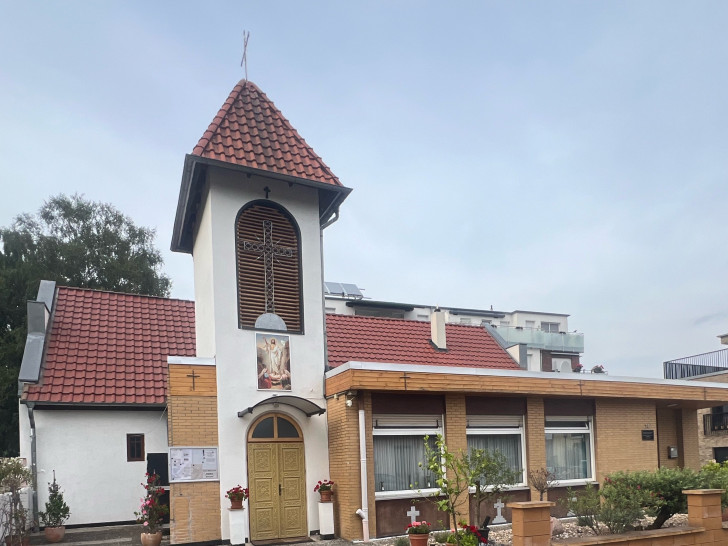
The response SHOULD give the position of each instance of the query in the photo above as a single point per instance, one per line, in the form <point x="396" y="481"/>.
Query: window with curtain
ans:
<point x="499" y="433"/>
<point x="568" y="448"/>
<point x="399" y="448"/>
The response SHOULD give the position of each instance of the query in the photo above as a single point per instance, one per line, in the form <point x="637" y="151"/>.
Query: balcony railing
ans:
<point x="701" y="364"/>
<point x="538" y="339"/>
<point x="715" y="424"/>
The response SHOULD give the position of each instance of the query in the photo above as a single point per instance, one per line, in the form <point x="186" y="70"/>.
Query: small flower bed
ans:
<point x="419" y="528"/>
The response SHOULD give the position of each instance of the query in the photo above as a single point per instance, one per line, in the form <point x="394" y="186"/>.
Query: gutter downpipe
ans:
<point x="33" y="462"/>
<point x="364" y="511"/>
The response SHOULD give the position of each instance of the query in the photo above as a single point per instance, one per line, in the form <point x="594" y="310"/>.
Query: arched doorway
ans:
<point x="277" y="478"/>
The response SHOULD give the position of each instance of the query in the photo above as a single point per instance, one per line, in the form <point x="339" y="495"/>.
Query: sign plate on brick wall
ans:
<point x="193" y="464"/>
<point x="648" y="435"/>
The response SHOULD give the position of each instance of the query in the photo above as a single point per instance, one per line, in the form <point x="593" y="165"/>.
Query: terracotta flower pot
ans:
<point x="54" y="534"/>
<point x="236" y="504"/>
<point x="419" y="539"/>
<point x="152" y="539"/>
<point x="326" y="495"/>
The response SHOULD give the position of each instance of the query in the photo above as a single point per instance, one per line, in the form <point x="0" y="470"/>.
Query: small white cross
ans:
<point x="499" y="517"/>
<point x="413" y="514"/>
<point x="570" y="513"/>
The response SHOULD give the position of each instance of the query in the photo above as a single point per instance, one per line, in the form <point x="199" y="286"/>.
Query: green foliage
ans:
<point x="13" y="516"/>
<point x="442" y="537"/>
<point x="662" y="489"/>
<point x="401" y="541"/>
<point x="715" y="476"/>
<point x="490" y="473"/>
<point x="454" y="474"/>
<point x="586" y="505"/>
<point x="74" y="242"/>
<point x="56" y="510"/>
<point x="615" y="508"/>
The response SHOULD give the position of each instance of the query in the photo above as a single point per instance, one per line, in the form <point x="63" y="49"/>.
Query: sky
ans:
<point x="567" y="157"/>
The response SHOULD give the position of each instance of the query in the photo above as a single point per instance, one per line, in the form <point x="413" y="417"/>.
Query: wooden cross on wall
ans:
<point x="270" y="252"/>
<point x="193" y="375"/>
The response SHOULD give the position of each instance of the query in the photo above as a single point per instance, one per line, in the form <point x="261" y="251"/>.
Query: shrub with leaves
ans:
<point x="152" y="511"/>
<point x="56" y="510"/>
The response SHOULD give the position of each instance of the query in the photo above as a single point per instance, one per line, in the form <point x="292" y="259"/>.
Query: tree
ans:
<point x="74" y="242"/>
<point x="487" y="471"/>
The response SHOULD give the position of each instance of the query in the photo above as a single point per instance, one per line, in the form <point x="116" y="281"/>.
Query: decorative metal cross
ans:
<point x="413" y="514"/>
<point x="268" y="250"/>
<point x="193" y="375"/>
<point x="499" y="516"/>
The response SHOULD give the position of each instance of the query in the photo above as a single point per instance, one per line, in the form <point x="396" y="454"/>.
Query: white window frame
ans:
<point x="407" y="425"/>
<point x="494" y="425"/>
<point x="550" y="428"/>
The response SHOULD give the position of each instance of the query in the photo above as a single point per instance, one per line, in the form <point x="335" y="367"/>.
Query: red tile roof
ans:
<point x="111" y="348"/>
<point x="371" y="339"/>
<point x="249" y="130"/>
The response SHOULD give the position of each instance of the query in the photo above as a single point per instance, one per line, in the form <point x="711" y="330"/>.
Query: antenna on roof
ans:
<point x="244" y="61"/>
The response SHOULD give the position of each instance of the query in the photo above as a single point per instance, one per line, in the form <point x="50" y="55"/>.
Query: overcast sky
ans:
<point x="569" y="157"/>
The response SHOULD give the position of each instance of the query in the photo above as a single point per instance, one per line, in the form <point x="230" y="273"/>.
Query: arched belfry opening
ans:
<point x="268" y="256"/>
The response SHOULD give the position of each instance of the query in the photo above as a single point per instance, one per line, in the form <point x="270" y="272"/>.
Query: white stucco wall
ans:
<point x="235" y="351"/>
<point x="87" y="449"/>
<point x="204" y="266"/>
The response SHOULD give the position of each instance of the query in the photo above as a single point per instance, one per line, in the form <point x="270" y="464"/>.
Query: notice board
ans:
<point x="193" y="464"/>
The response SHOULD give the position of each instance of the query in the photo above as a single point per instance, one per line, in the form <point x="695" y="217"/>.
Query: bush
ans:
<point x="441" y="536"/>
<point x="401" y="541"/>
<point x="617" y="506"/>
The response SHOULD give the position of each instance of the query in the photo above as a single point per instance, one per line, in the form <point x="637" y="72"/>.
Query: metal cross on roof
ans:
<point x="268" y="250"/>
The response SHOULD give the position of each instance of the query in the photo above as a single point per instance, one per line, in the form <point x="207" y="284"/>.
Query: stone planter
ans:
<point x="152" y="539"/>
<point x="54" y="534"/>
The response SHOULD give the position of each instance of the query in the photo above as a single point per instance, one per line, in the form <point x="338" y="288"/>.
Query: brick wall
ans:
<point x="691" y="457"/>
<point x="535" y="437"/>
<point x="344" y="467"/>
<point x="194" y="512"/>
<point x="707" y="443"/>
<point x="669" y="434"/>
<point x="192" y="421"/>
<point x="618" y="443"/>
<point x="456" y="440"/>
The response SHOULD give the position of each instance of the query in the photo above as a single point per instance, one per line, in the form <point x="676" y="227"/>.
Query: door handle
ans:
<point x="279" y="490"/>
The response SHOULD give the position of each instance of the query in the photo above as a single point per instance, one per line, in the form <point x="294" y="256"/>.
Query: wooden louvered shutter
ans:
<point x="286" y="266"/>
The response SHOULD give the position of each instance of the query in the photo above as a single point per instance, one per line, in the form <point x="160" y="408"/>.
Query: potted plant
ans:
<point x="419" y="533"/>
<point x="577" y="368"/>
<point x="599" y="368"/>
<point x="56" y="513"/>
<point x="13" y="515"/>
<point x="324" y="488"/>
<point x="151" y="512"/>
<point x="237" y="495"/>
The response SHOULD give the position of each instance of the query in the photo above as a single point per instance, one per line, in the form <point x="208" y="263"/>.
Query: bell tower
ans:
<point x="253" y="203"/>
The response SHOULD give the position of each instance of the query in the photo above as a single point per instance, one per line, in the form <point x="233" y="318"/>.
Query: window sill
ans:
<point x="568" y="483"/>
<point x="406" y="494"/>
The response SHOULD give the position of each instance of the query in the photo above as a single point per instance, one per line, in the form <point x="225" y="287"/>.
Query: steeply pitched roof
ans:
<point x="369" y="339"/>
<point x="111" y="348"/>
<point x="249" y="130"/>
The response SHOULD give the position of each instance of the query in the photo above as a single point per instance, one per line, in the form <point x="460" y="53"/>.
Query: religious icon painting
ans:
<point x="274" y="361"/>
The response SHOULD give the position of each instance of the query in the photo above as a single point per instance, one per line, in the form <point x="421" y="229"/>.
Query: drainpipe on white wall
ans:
<point x="33" y="463"/>
<point x="363" y="512"/>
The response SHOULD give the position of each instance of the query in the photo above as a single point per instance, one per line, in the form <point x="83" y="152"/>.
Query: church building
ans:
<point x="254" y="384"/>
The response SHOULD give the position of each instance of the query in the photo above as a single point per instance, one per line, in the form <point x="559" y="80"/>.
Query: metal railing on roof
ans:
<point x="691" y="366"/>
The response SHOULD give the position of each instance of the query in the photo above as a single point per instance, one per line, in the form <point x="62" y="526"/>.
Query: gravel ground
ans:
<point x="501" y="535"/>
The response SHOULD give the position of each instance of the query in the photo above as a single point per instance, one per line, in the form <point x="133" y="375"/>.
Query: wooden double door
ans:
<point x="276" y="472"/>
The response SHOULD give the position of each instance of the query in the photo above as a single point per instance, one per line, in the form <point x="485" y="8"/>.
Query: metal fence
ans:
<point x="691" y="366"/>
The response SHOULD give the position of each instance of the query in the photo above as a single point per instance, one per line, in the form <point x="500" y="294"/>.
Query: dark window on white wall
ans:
<point x="135" y="447"/>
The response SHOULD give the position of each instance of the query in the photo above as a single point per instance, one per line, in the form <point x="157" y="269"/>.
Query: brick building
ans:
<point x="254" y="384"/>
